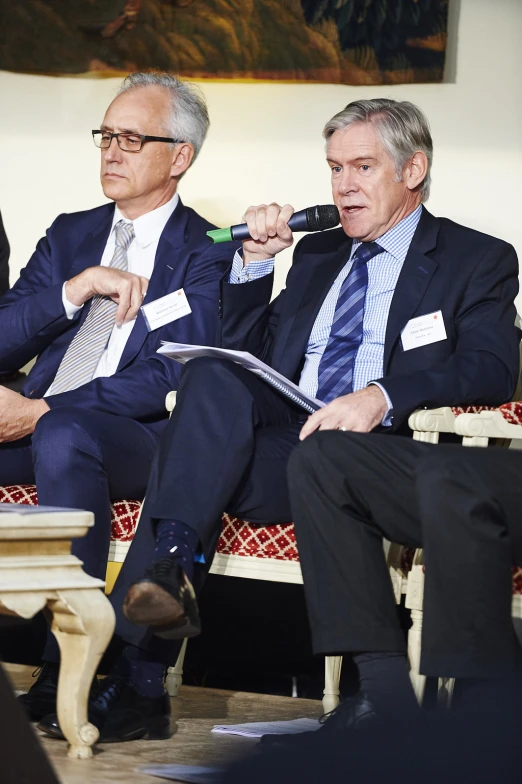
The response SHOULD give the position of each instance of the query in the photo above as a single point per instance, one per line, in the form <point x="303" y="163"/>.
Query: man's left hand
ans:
<point x="359" y="412"/>
<point x="18" y="415"/>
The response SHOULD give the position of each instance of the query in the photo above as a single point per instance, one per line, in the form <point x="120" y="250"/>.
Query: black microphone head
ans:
<point x="321" y="217"/>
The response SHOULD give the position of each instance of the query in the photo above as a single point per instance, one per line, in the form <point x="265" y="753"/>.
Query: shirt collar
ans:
<point x="149" y="227"/>
<point x="398" y="239"/>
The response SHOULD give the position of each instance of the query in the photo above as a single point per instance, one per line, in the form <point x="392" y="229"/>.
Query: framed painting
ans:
<point x="361" y="42"/>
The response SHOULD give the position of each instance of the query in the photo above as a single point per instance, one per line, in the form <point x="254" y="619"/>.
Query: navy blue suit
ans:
<point x="97" y="442"/>
<point x="227" y="444"/>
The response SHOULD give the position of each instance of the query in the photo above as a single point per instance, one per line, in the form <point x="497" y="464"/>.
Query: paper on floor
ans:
<point x="256" y="729"/>
<point x="192" y="774"/>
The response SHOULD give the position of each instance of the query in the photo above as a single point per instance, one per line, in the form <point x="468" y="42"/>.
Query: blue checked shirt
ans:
<point x="383" y="273"/>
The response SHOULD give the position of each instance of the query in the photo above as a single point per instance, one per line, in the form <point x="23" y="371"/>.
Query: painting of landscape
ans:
<point x="335" y="41"/>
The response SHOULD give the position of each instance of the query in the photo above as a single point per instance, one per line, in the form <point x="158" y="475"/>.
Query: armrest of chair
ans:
<point x="503" y="422"/>
<point x="428" y="423"/>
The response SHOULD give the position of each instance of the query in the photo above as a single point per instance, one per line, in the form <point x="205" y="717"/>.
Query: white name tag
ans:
<point x="166" y="309"/>
<point x="423" y="330"/>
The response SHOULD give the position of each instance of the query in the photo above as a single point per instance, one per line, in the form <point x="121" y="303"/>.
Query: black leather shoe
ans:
<point x="165" y="600"/>
<point x="41" y="697"/>
<point x="121" y="714"/>
<point x="352" y="714"/>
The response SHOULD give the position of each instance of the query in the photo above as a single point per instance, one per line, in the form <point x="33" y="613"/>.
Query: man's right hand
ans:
<point x="268" y="227"/>
<point x="124" y="288"/>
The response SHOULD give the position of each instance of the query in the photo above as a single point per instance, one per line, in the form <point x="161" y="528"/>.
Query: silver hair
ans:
<point x="189" y="120"/>
<point x="402" y="127"/>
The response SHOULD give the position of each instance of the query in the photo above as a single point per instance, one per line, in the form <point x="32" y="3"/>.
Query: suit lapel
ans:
<point x="90" y="251"/>
<point x="294" y="339"/>
<point x="167" y="275"/>
<point x="416" y="274"/>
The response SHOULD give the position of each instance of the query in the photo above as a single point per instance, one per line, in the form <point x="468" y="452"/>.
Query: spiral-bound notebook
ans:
<point x="183" y="352"/>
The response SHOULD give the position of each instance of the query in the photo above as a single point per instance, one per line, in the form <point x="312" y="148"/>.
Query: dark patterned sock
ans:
<point x="180" y="541"/>
<point x="385" y="679"/>
<point x="145" y="675"/>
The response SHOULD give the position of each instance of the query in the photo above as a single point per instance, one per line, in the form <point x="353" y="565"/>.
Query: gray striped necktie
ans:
<point x="82" y="357"/>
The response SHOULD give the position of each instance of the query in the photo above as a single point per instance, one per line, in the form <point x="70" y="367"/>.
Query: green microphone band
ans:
<point x="220" y="235"/>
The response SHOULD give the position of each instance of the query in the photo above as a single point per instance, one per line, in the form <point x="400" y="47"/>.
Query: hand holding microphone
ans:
<point x="268" y="228"/>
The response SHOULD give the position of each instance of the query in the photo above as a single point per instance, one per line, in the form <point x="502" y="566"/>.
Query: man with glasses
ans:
<point x="93" y="406"/>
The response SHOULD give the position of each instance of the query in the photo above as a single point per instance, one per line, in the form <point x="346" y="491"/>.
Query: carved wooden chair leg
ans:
<point x="83" y="624"/>
<point x="175" y="674"/>
<point x="414" y="651"/>
<point x="332" y="676"/>
<point x="414" y="602"/>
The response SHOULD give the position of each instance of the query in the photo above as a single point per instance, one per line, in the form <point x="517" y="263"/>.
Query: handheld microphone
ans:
<point x="319" y="218"/>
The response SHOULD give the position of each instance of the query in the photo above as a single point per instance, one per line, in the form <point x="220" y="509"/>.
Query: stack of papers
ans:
<point x="256" y="729"/>
<point x="27" y="509"/>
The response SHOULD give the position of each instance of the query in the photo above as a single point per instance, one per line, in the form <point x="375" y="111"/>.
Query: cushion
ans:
<point x="238" y="537"/>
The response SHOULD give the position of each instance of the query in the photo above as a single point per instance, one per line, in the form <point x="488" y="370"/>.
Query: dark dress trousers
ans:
<point x="97" y="442"/>
<point x="462" y="505"/>
<point x="227" y="444"/>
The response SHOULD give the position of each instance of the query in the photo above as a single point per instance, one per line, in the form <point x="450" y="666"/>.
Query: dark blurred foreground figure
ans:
<point x="437" y="748"/>
<point x="464" y="507"/>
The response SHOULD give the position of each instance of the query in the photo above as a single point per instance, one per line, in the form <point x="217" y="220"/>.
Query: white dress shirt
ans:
<point x="141" y="254"/>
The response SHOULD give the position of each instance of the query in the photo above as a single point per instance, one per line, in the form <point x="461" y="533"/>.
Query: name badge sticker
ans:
<point x="423" y="330"/>
<point x="166" y="309"/>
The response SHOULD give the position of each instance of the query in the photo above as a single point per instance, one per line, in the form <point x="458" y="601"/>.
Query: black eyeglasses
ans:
<point x="128" y="142"/>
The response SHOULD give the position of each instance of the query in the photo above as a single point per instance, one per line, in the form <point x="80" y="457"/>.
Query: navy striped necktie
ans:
<point x="335" y="374"/>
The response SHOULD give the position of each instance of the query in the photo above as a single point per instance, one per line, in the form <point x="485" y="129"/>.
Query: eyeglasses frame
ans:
<point x="143" y="138"/>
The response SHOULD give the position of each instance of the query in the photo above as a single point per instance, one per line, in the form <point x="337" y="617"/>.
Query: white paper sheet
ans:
<point x="183" y="352"/>
<point x="256" y="729"/>
<point x="192" y="774"/>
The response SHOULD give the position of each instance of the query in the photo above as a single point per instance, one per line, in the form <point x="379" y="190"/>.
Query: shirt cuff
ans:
<point x="252" y="271"/>
<point x="387" y="419"/>
<point x="70" y="309"/>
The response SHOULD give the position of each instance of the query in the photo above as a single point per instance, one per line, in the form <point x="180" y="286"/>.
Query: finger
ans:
<point x="124" y="296"/>
<point x="311" y="424"/>
<point x="283" y="229"/>
<point x="261" y="231"/>
<point x="272" y="218"/>
<point x="250" y="218"/>
<point x="144" y="285"/>
<point x="136" y="299"/>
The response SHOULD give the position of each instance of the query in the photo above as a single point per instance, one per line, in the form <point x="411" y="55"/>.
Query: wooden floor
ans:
<point x="194" y="712"/>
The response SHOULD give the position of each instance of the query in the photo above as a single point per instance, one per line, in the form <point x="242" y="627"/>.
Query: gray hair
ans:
<point x="402" y="127"/>
<point x="189" y="120"/>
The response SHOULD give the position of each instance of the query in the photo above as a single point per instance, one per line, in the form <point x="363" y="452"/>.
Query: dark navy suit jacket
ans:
<point x="471" y="277"/>
<point x="33" y="321"/>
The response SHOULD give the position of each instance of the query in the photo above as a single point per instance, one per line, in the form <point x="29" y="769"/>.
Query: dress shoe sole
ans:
<point x="148" y="604"/>
<point x="159" y="729"/>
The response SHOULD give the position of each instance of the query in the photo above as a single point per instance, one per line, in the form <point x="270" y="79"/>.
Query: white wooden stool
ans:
<point x="38" y="572"/>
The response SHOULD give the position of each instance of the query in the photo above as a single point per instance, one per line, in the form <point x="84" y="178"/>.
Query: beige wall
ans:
<point x="265" y="140"/>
